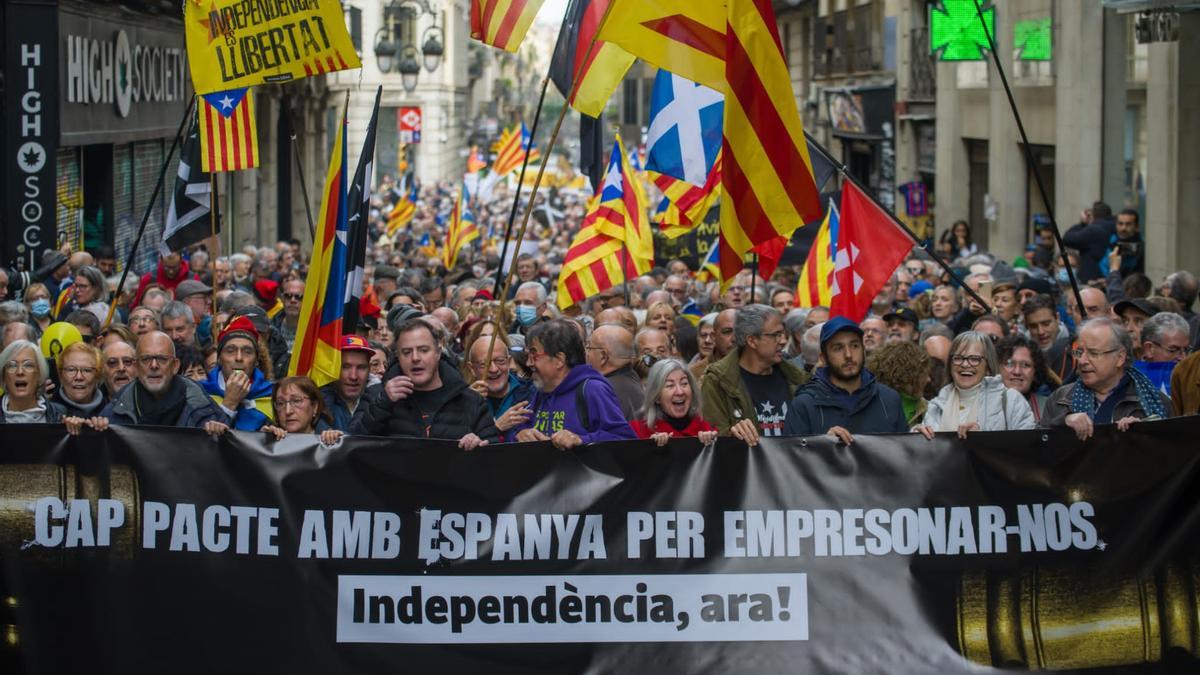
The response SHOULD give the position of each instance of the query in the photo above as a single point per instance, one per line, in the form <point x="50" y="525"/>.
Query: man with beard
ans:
<point x="423" y="396"/>
<point x="342" y="397"/>
<point x="902" y="325"/>
<point x="843" y="398"/>
<point x="506" y="394"/>
<point x="746" y="393"/>
<point x="574" y="404"/>
<point x="160" y="396"/>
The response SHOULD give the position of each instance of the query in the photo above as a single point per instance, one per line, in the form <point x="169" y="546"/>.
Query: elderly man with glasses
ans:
<point x="159" y="395"/>
<point x="1109" y="389"/>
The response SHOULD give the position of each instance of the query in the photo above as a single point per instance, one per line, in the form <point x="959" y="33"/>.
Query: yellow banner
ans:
<point x="242" y="43"/>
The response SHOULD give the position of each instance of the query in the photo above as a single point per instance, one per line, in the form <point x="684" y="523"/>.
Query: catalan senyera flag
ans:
<point x="317" y="351"/>
<point x="815" y="286"/>
<point x="228" y="132"/>
<point x="766" y="172"/>
<point x="402" y="213"/>
<point x="684" y="205"/>
<point x="502" y="23"/>
<point x="686" y="34"/>
<point x="511" y="149"/>
<point x="587" y="75"/>
<point x="461" y="230"/>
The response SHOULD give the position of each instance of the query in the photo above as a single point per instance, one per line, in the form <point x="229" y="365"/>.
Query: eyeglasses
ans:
<point x="142" y="318"/>
<point x="72" y="371"/>
<point x="294" y="297"/>
<point x="114" y="362"/>
<point x="777" y="335"/>
<point x="1172" y="350"/>
<point x="155" y="359"/>
<point x="88" y="338"/>
<point x="14" y="366"/>
<point x="916" y="271"/>
<point x="1092" y="354"/>
<point x="1013" y="364"/>
<point x="285" y="403"/>
<point x="971" y="359"/>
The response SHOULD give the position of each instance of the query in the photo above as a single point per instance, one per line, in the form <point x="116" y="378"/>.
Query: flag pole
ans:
<point x="212" y="219"/>
<point x="287" y="108"/>
<point x="512" y="215"/>
<point x="753" y="276"/>
<point x="1029" y="160"/>
<point x="845" y="171"/>
<point x="537" y="181"/>
<point x="162" y="175"/>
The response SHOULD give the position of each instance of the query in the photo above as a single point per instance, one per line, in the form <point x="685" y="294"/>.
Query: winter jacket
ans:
<point x="255" y="411"/>
<point x="1058" y="406"/>
<point x="461" y="412"/>
<point x="72" y="409"/>
<point x="1000" y="408"/>
<point x="1091" y="240"/>
<point x="727" y="401"/>
<point x="693" y="429"/>
<point x="820" y="405"/>
<point x="1185" y="386"/>
<point x="518" y="390"/>
<point x="54" y="412"/>
<point x="343" y="418"/>
<point x="160" y="277"/>
<point x="585" y="403"/>
<point x="197" y="409"/>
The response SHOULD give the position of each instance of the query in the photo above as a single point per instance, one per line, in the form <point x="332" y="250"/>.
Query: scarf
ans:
<point x="34" y="415"/>
<point x="160" y="411"/>
<point x="1084" y="400"/>
<point x="966" y="400"/>
<point x="86" y="409"/>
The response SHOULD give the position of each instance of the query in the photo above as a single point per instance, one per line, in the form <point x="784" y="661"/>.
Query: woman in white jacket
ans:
<point x="976" y="398"/>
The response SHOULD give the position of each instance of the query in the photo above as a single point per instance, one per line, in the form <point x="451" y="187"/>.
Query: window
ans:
<point x="629" y="101"/>
<point x="354" y="25"/>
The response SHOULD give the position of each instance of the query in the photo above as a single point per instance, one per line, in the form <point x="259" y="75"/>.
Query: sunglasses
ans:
<point x="293" y="296"/>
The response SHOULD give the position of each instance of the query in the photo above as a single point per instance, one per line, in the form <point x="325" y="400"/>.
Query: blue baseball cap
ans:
<point x="919" y="288"/>
<point x="836" y="325"/>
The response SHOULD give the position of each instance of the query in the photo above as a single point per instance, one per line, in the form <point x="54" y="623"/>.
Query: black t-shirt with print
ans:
<point x="769" y="393"/>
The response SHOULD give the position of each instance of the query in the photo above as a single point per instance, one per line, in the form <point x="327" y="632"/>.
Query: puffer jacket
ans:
<point x="462" y="412"/>
<point x="1000" y="408"/>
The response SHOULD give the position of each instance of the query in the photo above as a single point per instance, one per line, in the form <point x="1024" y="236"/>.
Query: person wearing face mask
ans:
<point x="37" y="299"/>
<point x="672" y="408"/>
<point x="976" y="398"/>
<point x="528" y="304"/>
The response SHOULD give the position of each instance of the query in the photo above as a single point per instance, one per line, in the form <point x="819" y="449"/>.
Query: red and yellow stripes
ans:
<point x="228" y="143"/>
<point x="502" y="23"/>
<point x="687" y="203"/>
<point x="595" y="262"/>
<point x="402" y="214"/>
<point x="767" y="174"/>
<point x="462" y="230"/>
<point x="815" y="286"/>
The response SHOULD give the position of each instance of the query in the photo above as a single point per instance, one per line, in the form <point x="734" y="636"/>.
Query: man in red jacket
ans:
<point x="172" y="271"/>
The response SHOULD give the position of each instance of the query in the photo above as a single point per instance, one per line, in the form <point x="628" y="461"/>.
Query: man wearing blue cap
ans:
<point x="843" y="398"/>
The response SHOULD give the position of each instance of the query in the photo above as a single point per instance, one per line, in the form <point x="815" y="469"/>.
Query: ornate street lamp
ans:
<point x="395" y="47"/>
<point x="409" y="68"/>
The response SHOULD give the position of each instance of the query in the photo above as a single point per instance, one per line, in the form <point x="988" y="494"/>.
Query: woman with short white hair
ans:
<point x="976" y="398"/>
<point x="25" y="375"/>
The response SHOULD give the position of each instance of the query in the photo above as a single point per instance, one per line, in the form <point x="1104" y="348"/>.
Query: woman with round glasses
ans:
<point x="976" y="398"/>
<point x="25" y="375"/>
<point x="1024" y="370"/>
<point x="299" y="409"/>
<point x="79" y="374"/>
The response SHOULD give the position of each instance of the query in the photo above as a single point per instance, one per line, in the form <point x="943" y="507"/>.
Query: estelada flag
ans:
<point x="317" y="352"/>
<point x="815" y="286"/>
<point x="584" y="73"/>
<point x="502" y="23"/>
<point x="234" y="43"/>
<point x="228" y="132"/>
<point x="870" y="245"/>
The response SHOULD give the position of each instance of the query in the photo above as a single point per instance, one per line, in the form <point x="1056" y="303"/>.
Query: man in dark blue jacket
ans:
<point x="843" y="398"/>
<point x="1091" y="238"/>
<point x="343" y="397"/>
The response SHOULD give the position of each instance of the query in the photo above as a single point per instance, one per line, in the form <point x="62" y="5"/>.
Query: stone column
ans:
<point x="1079" y="107"/>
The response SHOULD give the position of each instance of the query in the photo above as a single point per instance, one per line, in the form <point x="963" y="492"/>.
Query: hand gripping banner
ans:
<point x="157" y="550"/>
<point x="241" y="43"/>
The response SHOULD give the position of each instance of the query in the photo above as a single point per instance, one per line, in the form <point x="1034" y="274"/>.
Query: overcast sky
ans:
<point x="552" y="12"/>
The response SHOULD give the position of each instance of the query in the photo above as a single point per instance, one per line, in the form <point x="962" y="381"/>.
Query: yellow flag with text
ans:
<point x="234" y="43"/>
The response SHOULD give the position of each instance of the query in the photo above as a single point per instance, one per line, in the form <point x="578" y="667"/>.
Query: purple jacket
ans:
<point x="560" y="409"/>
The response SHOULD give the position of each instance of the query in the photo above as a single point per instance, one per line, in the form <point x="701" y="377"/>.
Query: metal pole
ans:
<point x="512" y="215"/>
<point x="287" y="108"/>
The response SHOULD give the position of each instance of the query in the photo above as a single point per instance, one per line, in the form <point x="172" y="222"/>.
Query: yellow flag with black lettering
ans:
<point x="243" y="43"/>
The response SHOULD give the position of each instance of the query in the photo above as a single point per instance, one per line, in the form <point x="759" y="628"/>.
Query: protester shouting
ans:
<point x="976" y="398"/>
<point x="672" y="408"/>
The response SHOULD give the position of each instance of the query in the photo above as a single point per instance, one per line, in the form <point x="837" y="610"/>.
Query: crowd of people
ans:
<point x="205" y="342"/>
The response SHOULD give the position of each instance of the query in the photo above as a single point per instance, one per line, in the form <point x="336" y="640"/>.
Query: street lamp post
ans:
<point x="396" y="52"/>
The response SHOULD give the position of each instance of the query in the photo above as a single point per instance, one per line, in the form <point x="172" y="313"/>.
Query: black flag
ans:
<point x="189" y="220"/>
<point x="358" y="200"/>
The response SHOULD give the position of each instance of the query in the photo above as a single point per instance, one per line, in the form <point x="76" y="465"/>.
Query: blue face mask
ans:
<point x="526" y="315"/>
<point x="1062" y="276"/>
<point x="40" y="307"/>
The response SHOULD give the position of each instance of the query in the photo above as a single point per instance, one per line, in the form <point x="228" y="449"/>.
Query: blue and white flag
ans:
<point x="685" y="128"/>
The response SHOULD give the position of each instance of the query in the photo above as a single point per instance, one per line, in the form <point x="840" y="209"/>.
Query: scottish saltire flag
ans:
<point x="317" y="352"/>
<point x="228" y="132"/>
<point x="685" y="128"/>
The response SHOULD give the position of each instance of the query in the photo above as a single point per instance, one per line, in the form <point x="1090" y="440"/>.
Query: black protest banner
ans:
<point x="162" y="550"/>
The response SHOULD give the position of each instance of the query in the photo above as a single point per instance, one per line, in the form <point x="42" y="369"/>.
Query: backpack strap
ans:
<point x="581" y="408"/>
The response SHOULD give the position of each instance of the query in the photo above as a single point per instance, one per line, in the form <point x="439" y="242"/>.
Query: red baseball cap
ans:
<point x="266" y="290"/>
<point x="356" y="343"/>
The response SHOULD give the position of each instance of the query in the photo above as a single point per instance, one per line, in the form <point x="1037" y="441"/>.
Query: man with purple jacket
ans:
<point x="574" y="404"/>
